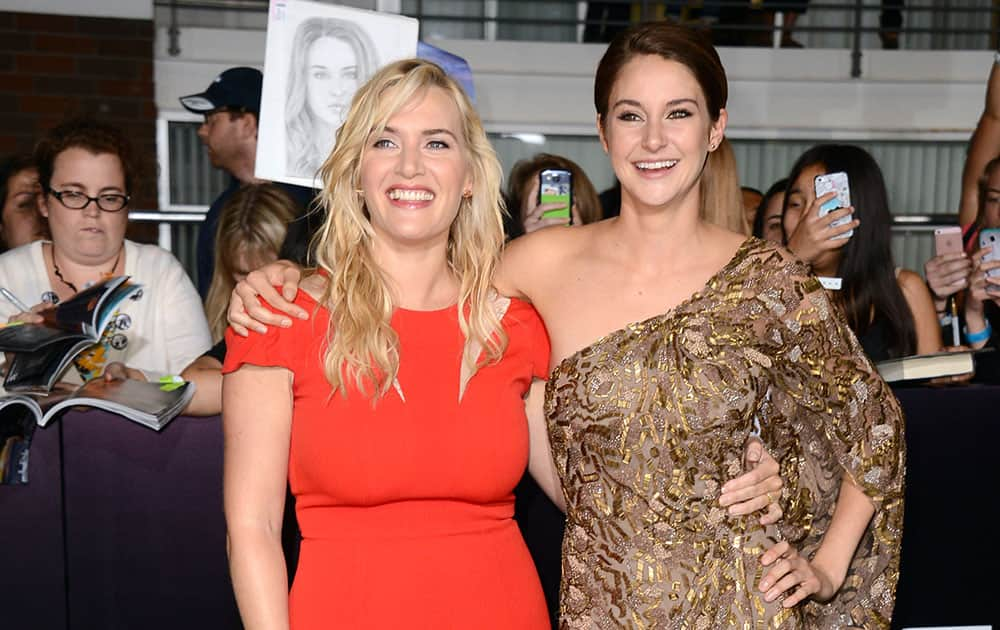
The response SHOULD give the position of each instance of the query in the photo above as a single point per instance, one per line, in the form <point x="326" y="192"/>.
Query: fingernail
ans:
<point x="770" y="596"/>
<point x="765" y="585"/>
<point x="261" y="330"/>
<point x="303" y="315"/>
<point x="286" y="323"/>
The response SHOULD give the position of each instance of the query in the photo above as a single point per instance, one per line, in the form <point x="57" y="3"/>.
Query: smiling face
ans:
<point x="21" y="222"/>
<point x="89" y="236"/>
<point x="331" y="79"/>
<point x="413" y="174"/>
<point x="658" y="132"/>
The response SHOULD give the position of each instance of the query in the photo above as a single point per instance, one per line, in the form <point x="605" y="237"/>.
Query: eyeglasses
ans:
<point x="74" y="200"/>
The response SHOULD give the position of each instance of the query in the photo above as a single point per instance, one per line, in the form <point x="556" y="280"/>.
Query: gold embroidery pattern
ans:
<point x="647" y="423"/>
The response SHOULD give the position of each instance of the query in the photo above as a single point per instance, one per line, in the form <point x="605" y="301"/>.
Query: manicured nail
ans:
<point x="765" y="585"/>
<point x="286" y="323"/>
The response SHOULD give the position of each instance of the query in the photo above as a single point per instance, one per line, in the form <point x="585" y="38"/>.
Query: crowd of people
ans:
<point x="418" y="354"/>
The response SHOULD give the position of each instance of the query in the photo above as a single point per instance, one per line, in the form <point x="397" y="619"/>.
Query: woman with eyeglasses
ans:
<point x="86" y="172"/>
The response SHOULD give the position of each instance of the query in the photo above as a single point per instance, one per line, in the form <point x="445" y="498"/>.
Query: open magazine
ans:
<point x="150" y="404"/>
<point x="43" y="351"/>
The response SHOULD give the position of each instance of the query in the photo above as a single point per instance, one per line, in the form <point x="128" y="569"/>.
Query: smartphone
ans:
<point x="555" y="185"/>
<point x="990" y="237"/>
<point x="835" y="182"/>
<point x="947" y="240"/>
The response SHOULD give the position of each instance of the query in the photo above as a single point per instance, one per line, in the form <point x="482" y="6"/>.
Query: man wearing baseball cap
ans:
<point x="231" y="106"/>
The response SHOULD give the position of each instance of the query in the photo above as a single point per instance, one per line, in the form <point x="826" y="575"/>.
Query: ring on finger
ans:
<point x="772" y="497"/>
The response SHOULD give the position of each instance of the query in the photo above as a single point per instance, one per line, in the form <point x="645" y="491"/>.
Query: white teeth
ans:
<point x="655" y="165"/>
<point x="398" y="194"/>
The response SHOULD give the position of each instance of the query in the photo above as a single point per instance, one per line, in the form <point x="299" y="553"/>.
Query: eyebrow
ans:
<point x="427" y="132"/>
<point x="672" y="103"/>
<point x="106" y="189"/>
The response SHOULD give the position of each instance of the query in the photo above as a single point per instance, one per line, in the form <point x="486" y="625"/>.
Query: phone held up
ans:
<point x="556" y="186"/>
<point x="990" y="238"/>
<point x="947" y="240"/>
<point x="834" y="182"/>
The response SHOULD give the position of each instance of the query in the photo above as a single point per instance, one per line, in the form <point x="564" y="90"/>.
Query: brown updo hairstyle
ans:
<point x="669" y="41"/>
<point x="85" y="133"/>
<point x="585" y="198"/>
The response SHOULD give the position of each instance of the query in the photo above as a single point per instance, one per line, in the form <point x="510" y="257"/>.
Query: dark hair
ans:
<point x="584" y="194"/>
<point x="870" y="290"/>
<point x="89" y="134"/>
<point x="10" y="167"/>
<point x="669" y="41"/>
<point x="758" y="219"/>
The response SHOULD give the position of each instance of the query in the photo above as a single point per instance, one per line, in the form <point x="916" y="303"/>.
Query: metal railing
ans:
<point x="849" y="24"/>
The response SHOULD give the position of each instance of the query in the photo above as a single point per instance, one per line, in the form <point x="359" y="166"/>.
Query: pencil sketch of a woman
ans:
<point x="330" y="59"/>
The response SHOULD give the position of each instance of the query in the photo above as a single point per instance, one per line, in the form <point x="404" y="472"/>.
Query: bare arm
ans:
<point x="540" y="463"/>
<point x="822" y="577"/>
<point x="206" y="374"/>
<point x="257" y="428"/>
<point x="921" y="303"/>
<point x="983" y="147"/>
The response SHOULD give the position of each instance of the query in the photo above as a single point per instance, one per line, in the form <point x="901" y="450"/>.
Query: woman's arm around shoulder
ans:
<point x="256" y="420"/>
<point x="921" y="303"/>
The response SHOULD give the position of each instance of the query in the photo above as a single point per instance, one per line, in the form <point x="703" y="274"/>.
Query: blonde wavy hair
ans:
<point x="252" y="227"/>
<point x="361" y="345"/>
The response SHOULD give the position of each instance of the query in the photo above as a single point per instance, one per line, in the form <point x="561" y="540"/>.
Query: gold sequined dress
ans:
<point x="648" y="422"/>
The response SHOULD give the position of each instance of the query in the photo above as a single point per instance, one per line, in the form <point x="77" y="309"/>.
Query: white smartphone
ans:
<point x="835" y="182"/>
<point x="990" y="237"/>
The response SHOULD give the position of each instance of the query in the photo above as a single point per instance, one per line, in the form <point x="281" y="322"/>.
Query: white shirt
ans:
<point x="159" y="333"/>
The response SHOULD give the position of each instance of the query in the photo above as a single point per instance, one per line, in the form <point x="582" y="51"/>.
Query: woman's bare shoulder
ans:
<point x="528" y="261"/>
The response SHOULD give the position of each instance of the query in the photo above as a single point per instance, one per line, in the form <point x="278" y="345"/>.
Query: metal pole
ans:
<point x="856" y="50"/>
<point x="173" y="31"/>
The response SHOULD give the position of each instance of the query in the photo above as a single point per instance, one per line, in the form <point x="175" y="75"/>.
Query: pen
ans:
<point x="13" y="300"/>
<point x="956" y="340"/>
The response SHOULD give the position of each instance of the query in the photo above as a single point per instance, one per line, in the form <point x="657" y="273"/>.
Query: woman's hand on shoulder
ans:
<point x="815" y="235"/>
<point x="247" y="312"/>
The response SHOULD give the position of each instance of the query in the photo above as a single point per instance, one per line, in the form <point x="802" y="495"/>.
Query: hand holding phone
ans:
<point x="835" y="183"/>
<point x="989" y="238"/>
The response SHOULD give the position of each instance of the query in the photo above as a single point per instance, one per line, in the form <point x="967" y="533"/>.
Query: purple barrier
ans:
<point x="144" y="527"/>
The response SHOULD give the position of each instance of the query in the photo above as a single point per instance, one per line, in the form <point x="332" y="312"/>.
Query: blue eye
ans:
<point x="384" y="143"/>
<point x="437" y="144"/>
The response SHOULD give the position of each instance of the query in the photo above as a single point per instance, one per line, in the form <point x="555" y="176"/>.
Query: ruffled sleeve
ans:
<point x="845" y="418"/>
<point x="278" y="347"/>
<point x="526" y="321"/>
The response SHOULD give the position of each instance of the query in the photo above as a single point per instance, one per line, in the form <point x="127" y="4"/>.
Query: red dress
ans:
<point x="406" y="507"/>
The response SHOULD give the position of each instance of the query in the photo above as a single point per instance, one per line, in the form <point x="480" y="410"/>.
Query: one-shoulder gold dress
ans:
<point x="648" y="422"/>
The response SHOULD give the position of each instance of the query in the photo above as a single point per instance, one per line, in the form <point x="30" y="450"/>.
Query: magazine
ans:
<point x="149" y="404"/>
<point x="43" y="351"/>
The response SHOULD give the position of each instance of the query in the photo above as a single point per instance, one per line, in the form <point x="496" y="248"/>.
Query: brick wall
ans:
<point x="52" y="66"/>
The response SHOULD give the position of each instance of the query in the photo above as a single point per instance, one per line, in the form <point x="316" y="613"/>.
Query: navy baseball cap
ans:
<point x="238" y="88"/>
